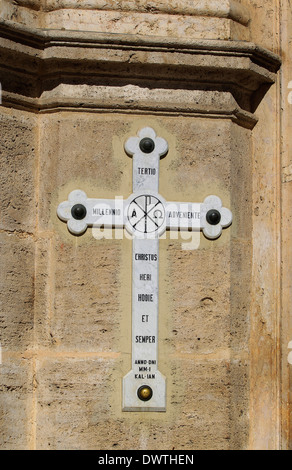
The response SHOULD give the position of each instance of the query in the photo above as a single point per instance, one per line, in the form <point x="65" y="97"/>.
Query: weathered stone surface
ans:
<point x="18" y="147"/>
<point x="201" y="312"/>
<point x="78" y="150"/>
<point x="74" y="402"/>
<point x="223" y="8"/>
<point x="86" y="311"/>
<point x="205" y="399"/>
<point x="17" y="291"/>
<point x="148" y="24"/>
<point x="16" y="403"/>
<point x="76" y="408"/>
<point x="209" y="315"/>
<point x="226" y="19"/>
<point x="286" y="193"/>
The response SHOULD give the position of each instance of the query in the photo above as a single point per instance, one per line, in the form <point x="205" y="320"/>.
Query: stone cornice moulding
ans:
<point x="42" y="40"/>
<point x="239" y="68"/>
<point x="230" y="9"/>
<point x="213" y="105"/>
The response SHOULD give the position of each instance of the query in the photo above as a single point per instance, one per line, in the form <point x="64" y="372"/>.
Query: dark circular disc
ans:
<point x="147" y="145"/>
<point x="145" y="393"/>
<point x="78" y="211"/>
<point x="213" y="217"/>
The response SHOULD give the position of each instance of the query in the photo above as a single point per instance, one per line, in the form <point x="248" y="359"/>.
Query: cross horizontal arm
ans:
<point x="143" y="212"/>
<point x="183" y="216"/>
<point x="208" y="216"/>
<point x="80" y="212"/>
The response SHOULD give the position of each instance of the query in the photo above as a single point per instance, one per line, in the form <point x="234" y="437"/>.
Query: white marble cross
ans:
<point x="146" y="216"/>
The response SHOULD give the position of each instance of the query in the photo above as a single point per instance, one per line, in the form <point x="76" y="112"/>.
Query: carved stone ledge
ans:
<point x="45" y="39"/>
<point x="133" y="99"/>
<point x="36" y="64"/>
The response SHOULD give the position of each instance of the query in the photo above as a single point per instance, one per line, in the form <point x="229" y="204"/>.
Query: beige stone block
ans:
<point x="224" y="8"/>
<point x="226" y="19"/>
<point x="209" y="311"/>
<point x="18" y="148"/>
<point x="210" y="398"/>
<point x="200" y="305"/>
<point x="197" y="166"/>
<point x="44" y="292"/>
<point x="78" y="407"/>
<point x="75" y="407"/>
<point x="77" y="153"/>
<point x="16" y="401"/>
<point x="17" y="291"/>
<point x="83" y="310"/>
<point x="241" y="190"/>
<point x="145" y="24"/>
<point x="240" y="294"/>
<point x="26" y="16"/>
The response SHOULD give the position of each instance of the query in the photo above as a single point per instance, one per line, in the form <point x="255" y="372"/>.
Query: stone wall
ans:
<point x="205" y="76"/>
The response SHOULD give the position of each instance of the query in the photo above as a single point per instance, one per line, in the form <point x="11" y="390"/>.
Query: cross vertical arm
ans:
<point x="144" y="387"/>
<point x="146" y="150"/>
